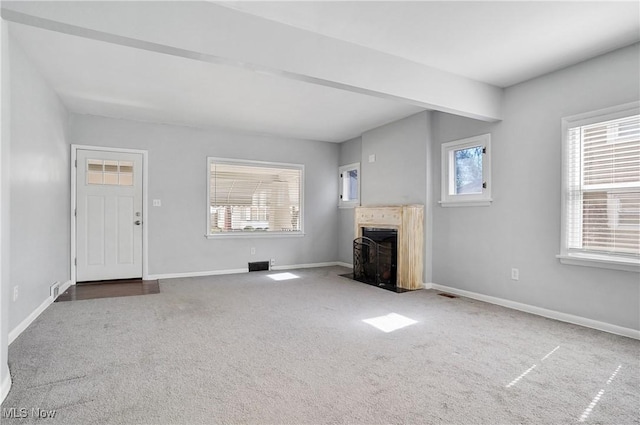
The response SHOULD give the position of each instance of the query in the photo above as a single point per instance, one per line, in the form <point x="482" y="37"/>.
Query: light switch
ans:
<point x="157" y="203"/>
<point x="372" y="157"/>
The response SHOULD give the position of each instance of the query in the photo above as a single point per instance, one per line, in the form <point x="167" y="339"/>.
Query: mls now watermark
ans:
<point x="23" y="413"/>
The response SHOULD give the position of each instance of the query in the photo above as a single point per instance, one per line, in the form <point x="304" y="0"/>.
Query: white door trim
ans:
<point x="145" y="203"/>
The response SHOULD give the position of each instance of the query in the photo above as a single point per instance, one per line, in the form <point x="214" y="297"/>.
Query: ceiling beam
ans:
<point x="211" y="33"/>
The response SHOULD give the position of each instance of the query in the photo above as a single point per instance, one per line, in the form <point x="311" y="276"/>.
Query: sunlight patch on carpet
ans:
<point x="283" y="276"/>
<point x="515" y="381"/>
<point x="589" y="409"/>
<point x="390" y="322"/>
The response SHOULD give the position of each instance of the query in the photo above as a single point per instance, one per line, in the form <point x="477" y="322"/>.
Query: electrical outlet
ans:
<point x="157" y="203"/>
<point x="253" y="250"/>
<point x="515" y="274"/>
<point x="272" y="262"/>
<point x="15" y="293"/>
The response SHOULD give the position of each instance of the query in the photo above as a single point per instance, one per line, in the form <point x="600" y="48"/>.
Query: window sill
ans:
<point x="459" y="203"/>
<point x="233" y="235"/>
<point x="603" y="262"/>
<point x="343" y="206"/>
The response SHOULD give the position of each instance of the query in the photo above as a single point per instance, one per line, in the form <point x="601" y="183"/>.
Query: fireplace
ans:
<point x="399" y="264"/>
<point x="375" y="257"/>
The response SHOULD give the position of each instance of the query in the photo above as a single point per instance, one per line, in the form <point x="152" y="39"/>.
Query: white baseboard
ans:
<point x="341" y="264"/>
<point x="551" y="314"/>
<point x="196" y="274"/>
<point x="236" y="271"/>
<point x="64" y="287"/>
<point x="35" y="313"/>
<point x="305" y="266"/>
<point x="29" y="319"/>
<point x="5" y="387"/>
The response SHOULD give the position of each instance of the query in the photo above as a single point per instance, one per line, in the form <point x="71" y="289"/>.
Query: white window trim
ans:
<point x="589" y="259"/>
<point x="232" y="235"/>
<point x="353" y="203"/>
<point x="465" y="200"/>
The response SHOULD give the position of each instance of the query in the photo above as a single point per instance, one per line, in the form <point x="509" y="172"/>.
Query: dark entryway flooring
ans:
<point x="109" y="289"/>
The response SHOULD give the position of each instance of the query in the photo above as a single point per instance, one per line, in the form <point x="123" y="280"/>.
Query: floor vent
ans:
<point x="258" y="266"/>
<point x="447" y="295"/>
<point x="54" y="290"/>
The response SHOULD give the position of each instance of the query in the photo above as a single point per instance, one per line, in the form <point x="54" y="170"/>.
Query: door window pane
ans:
<point x="109" y="172"/>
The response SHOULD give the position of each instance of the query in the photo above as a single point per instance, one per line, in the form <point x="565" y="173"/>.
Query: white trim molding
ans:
<point x="305" y="266"/>
<point x="447" y="204"/>
<point x="609" y="262"/>
<point x="244" y="270"/>
<point x="64" y="287"/>
<point x="196" y="274"/>
<point x="15" y="332"/>
<point x="5" y="387"/>
<point x="341" y="264"/>
<point x="539" y="311"/>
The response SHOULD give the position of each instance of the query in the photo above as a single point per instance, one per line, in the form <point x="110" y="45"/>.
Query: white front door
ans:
<point x="109" y="215"/>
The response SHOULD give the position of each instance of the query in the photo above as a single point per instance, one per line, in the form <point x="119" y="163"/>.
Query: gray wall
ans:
<point x="350" y="153"/>
<point x="476" y="247"/>
<point x="39" y="188"/>
<point x="400" y="173"/>
<point x="178" y="177"/>
<point x="398" y="176"/>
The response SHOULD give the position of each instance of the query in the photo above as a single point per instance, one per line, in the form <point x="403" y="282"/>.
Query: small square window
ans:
<point x="466" y="172"/>
<point x="349" y="176"/>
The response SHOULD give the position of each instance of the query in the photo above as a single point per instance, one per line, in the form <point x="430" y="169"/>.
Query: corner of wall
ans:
<point x="5" y="377"/>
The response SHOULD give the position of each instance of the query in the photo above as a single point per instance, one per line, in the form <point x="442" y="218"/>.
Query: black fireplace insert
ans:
<point x="375" y="257"/>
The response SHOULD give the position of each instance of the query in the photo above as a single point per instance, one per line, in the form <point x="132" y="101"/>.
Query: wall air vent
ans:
<point x="54" y="290"/>
<point x="258" y="266"/>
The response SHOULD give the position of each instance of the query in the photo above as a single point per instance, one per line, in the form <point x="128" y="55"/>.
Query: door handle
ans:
<point x="137" y="222"/>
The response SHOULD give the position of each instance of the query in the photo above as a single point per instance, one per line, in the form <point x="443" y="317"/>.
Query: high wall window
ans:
<point x="254" y="198"/>
<point x="601" y="199"/>
<point x="466" y="172"/>
<point x="349" y="185"/>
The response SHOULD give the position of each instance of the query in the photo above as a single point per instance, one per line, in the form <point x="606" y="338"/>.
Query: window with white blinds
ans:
<point x="252" y="198"/>
<point x="602" y="181"/>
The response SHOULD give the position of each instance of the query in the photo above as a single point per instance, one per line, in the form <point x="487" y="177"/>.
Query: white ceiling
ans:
<point x="499" y="43"/>
<point x="99" y="78"/>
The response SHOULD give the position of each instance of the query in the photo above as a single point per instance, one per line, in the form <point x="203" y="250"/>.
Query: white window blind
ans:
<point x="603" y="187"/>
<point x="253" y="197"/>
